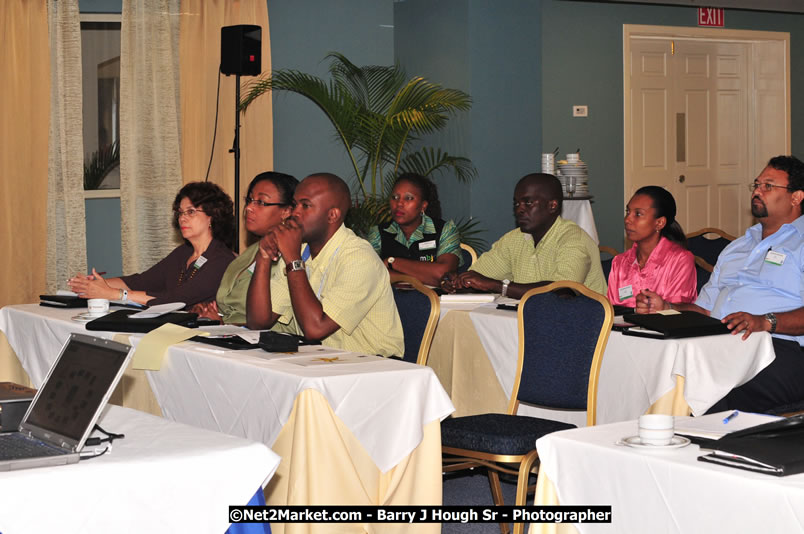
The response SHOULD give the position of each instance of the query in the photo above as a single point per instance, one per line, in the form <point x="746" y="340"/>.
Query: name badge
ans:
<point x="625" y="292"/>
<point x="252" y="267"/>
<point x="776" y="258"/>
<point x="200" y="262"/>
<point x="427" y="245"/>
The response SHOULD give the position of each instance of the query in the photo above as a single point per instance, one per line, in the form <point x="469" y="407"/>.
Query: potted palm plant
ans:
<point x="378" y="114"/>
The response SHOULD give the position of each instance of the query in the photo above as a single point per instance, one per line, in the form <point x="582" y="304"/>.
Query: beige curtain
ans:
<point x="201" y="24"/>
<point x="24" y="108"/>
<point x="66" y="222"/>
<point x="150" y="167"/>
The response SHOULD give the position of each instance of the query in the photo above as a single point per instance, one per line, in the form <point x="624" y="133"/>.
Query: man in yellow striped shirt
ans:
<point x="341" y="295"/>
<point x="543" y="248"/>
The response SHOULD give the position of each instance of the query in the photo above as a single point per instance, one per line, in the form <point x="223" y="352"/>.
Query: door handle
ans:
<point x="682" y="179"/>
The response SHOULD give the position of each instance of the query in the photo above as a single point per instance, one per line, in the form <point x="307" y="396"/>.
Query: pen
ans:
<point x="731" y="416"/>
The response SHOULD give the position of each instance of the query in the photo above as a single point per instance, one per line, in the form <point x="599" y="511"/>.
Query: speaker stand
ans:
<point x="236" y="150"/>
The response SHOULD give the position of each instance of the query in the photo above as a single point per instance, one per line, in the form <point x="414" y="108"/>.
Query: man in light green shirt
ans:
<point x="544" y="248"/>
<point x="341" y="295"/>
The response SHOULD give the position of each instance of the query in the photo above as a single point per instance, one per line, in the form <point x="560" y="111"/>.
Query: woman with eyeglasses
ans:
<point x="203" y="213"/>
<point x="416" y="241"/>
<point x="269" y="201"/>
<point x="659" y="260"/>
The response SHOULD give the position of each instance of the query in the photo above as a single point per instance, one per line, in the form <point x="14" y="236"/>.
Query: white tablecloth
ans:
<point x="163" y="477"/>
<point x="665" y="491"/>
<point x="580" y="212"/>
<point x="385" y="403"/>
<point x="636" y="371"/>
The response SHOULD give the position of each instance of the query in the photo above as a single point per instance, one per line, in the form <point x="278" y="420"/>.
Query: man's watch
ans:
<point x="771" y="318"/>
<point x="295" y="265"/>
<point x="391" y="261"/>
<point x="505" y="284"/>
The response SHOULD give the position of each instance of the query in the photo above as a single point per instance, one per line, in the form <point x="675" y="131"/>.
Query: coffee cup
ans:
<point x="98" y="306"/>
<point x="656" y="429"/>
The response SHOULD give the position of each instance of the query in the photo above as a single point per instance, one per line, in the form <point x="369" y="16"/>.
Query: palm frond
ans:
<point x="368" y="212"/>
<point x="100" y="164"/>
<point x="468" y="231"/>
<point x="428" y="161"/>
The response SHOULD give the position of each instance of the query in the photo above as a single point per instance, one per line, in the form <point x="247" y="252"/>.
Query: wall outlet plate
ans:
<point x="580" y="111"/>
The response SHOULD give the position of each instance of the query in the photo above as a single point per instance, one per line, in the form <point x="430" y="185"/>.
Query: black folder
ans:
<point x="775" y="448"/>
<point x="684" y="324"/>
<point x="62" y="301"/>
<point x="119" y="321"/>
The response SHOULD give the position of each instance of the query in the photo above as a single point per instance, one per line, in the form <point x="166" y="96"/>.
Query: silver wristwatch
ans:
<point x="771" y="318"/>
<point x="295" y="265"/>
<point x="505" y="284"/>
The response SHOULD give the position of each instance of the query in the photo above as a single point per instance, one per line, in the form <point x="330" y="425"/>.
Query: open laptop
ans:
<point x="66" y="407"/>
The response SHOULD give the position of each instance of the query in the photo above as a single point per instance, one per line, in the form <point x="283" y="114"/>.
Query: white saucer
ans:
<point x="634" y="441"/>
<point x="87" y="317"/>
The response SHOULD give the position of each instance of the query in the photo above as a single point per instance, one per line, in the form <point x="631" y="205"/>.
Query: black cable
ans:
<point x="215" y="130"/>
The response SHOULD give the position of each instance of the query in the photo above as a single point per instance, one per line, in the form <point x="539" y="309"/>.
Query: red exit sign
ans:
<point x="710" y="16"/>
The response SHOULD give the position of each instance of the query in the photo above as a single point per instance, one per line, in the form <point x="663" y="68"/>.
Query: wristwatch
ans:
<point x="771" y="318"/>
<point x="391" y="261"/>
<point x="295" y="265"/>
<point x="504" y="291"/>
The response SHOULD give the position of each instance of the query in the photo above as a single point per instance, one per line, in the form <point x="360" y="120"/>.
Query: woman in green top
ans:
<point x="269" y="201"/>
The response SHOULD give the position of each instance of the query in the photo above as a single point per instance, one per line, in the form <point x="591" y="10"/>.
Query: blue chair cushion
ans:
<point x="497" y="433"/>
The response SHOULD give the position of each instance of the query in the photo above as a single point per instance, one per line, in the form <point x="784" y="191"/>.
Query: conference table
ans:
<point x="351" y="429"/>
<point x="163" y="477"/>
<point x="474" y="353"/>
<point x="659" y="490"/>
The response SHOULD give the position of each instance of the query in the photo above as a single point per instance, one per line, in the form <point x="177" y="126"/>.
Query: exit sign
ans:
<point x="710" y="16"/>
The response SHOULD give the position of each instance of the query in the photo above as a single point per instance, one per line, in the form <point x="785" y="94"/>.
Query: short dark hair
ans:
<point x="551" y="186"/>
<point x="213" y="201"/>
<point x="665" y="206"/>
<point x="794" y="169"/>
<point x="284" y="183"/>
<point x="427" y="189"/>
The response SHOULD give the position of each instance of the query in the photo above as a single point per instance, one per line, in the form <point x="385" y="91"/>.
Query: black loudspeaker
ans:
<point x="241" y="50"/>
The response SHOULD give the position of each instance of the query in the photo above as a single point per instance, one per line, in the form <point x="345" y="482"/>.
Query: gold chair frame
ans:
<point x="717" y="231"/>
<point x="471" y="252"/>
<point x="608" y="250"/>
<point x="432" y="320"/>
<point x="466" y="459"/>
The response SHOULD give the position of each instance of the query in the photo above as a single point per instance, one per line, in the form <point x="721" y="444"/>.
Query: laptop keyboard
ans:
<point x="14" y="446"/>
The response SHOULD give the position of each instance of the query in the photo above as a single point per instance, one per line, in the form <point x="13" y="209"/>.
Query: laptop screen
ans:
<point x="76" y="387"/>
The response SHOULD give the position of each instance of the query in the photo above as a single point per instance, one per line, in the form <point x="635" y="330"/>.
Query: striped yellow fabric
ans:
<point x="352" y="284"/>
<point x="566" y="252"/>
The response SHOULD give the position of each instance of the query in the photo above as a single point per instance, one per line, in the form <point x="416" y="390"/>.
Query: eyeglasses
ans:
<point x="190" y="212"/>
<point x="765" y="187"/>
<point x="258" y="202"/>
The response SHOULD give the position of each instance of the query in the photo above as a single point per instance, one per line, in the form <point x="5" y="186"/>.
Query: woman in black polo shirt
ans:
<point x="416" y="241"/>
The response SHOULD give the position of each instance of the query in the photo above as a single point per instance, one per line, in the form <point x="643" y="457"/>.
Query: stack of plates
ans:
<point x="549" y="163"/>
<point x="575" y="169"/>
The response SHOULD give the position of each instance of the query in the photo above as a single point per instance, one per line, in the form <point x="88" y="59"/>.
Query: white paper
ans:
<point x="156" y="311"/>
<point x="468" y="297"/>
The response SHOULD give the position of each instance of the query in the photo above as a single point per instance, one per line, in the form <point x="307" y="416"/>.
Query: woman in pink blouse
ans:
<point x="659" y="259"/>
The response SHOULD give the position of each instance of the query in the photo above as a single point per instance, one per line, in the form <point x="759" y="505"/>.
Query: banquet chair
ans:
<point x="419" y="309"/>
<point x="606" y="256"/>
<point x="563" y="331"/>
<point x="707" y="244"/>
<point x="703" y="270"/>
<point x="469" y="257"/>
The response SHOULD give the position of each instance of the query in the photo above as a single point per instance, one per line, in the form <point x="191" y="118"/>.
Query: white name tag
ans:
<point x="776" y="258"/>
<point x="252" y="267"/>
<point x="427" y="245"/>
<point x="200" y="262"/>
<point x="626" y="292"/>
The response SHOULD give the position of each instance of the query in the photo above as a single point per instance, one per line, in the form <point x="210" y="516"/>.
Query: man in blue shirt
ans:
<point x="758" y="286"/>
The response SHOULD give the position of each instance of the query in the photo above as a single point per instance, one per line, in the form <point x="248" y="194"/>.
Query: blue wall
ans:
<point x="302" y="34"/>
<point x="103" y="236"/>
